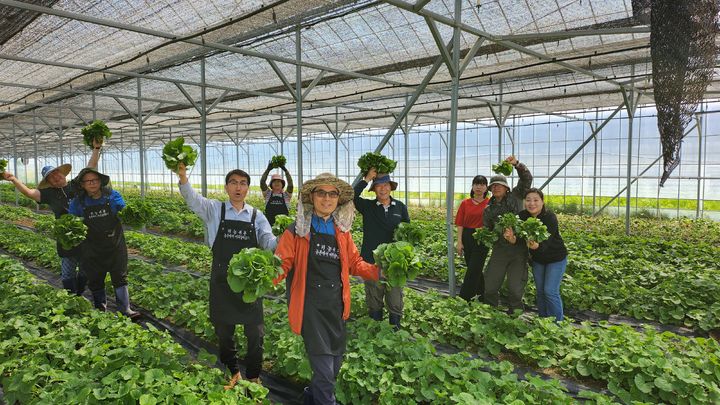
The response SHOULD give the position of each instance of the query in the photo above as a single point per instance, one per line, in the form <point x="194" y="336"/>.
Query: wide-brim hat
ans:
<point x="48" y="170"/>
<point x="498" y="179"/>
<point x="77" y="181"/>
<point x="383" y="178"/>
<point x="346" y="191"/>
<point x="277" y="177"/>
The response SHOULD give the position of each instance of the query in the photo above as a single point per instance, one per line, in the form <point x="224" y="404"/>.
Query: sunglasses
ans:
<point x="323" y="194"/>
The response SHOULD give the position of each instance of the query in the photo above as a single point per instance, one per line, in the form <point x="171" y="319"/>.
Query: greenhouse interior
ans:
<point x="469" y="201"/>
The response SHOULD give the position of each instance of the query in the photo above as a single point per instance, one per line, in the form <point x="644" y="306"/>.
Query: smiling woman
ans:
<point x="104" y="250"/>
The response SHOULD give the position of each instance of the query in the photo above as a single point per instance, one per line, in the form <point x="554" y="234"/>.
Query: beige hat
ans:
<point x="498" y="179"/>
<point x="48" y="170"/>
<point x="346" y="191"/>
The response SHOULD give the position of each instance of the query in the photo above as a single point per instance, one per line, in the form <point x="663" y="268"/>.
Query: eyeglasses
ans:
<point x="236" y="183"/>
<point x="323" y="194"/>
<point x="91" y="181"/>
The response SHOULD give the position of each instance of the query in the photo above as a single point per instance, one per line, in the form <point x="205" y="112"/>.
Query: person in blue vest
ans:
<point x="277" y="198"/>
<point x="381" y="216"/>
<point x="232" y="226"/>
<point x="55" y="191"/>
<point x="104" y="249"/>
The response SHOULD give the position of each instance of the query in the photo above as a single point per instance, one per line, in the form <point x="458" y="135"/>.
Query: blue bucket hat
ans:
<point x="48" y="170"/>
<point x="383" y="178"/>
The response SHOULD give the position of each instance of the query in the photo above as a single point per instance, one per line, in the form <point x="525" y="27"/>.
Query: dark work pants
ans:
<point x="228" y="352"/>
<point x="506" y="260"/>
<point x="475" y="255"/>
<point x="325" y="368"/>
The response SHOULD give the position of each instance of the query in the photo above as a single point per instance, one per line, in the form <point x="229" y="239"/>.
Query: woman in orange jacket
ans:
<point x="318" y="256"/>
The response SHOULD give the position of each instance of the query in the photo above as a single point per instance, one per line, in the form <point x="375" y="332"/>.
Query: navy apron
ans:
<point x="323" y="328"/>
<point x="226" y="306"/>
<point x="275" y="206"/>
<point x="104" y="248"/>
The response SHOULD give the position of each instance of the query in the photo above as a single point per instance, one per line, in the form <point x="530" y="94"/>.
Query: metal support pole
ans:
<point x="407" y="157"/>
<point x="141" y="142"/>
<point x="500" y="125"/>
<point x="203" y="130"/>
<point x="94" y="108"/>
<point x="450" y="187"/>
<point x="122" y="160"/>
<point x="298" y="104"/>
<point x="595" y="164"/>
<point x="698" y="202"/>
<point x="35" y="150"/>
<point x="630" y="104"/>
<point x="14" y="143"/>
<point x="60" y="133"/>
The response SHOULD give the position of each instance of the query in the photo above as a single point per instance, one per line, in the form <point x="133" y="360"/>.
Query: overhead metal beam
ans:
<point x="505" y="43"/>
<point x="199" y="42"/>
<point x="558" y="35"/>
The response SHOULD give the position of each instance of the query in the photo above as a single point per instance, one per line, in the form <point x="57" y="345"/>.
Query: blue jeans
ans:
<point x="547" y="284"/>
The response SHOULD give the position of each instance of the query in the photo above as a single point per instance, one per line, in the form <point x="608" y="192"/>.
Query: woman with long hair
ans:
<point x="470" y="217"/>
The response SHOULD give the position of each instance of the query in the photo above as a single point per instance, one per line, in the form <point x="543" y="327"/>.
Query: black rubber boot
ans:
<point x="395" y="321"/>
<point x="376" y="315"/>
<point x="100" y="300"/>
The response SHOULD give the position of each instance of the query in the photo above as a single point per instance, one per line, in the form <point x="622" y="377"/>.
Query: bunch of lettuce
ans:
<point x="381" y="163"/>
<point x="485" y="236"/>
<point x="3" y="165"/>
<point x="533" y="229"/>
<point x="95" y="131"/>
<point x="176" y="152"/>
<point x="398" y="262"/>
<point x="69" y="231"/>
<point x="136" y="213"/>
<point x="503" y="167"/>
<point x="278" y="161"/>
<point x="252" y="271"/>
<point x="508" y="220"/>
<point x="281" y="223"/>
<point x="409" y="232"/>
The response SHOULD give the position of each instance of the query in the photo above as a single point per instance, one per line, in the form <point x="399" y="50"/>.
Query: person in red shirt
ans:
<point x="470" y="217"/>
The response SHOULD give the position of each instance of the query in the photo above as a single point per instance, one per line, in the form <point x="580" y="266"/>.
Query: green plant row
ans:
<point x="644" y="366"/>
<point x="671" y="282"/>
<point x="183" y="300"/>
<point x="54" y="348"/>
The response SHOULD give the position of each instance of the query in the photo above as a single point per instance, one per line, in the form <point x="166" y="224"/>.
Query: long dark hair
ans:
<point x="479" y="179"/>
<point x="538" y="192"/>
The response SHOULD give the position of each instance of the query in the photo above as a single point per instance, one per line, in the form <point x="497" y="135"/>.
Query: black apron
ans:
<point x="226" y="306"/>
<point x="323" y="328"/>
<point x="104" y="248"/>
<point x="275" y="206"/>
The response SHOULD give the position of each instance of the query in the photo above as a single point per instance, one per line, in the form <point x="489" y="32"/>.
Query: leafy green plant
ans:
<point x="278" y="161"/>
<point x="176" y="152"/>
<point x="136" y="213"/>
<point x="380" y="162"/>
<point x="485" y="236"/>
<point x="69" y="231"/>
<point x="503" y="167"/>
<point x="508" y="220"/>
<point x="533" y="229"/>
<point x="410" y="232"/>
<point x="252" y="271"/>
<point x="3" y="165"/>
<point x="281" y="223"/>
<point x="95" y="131"/>
<point x="398" y="262"/>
